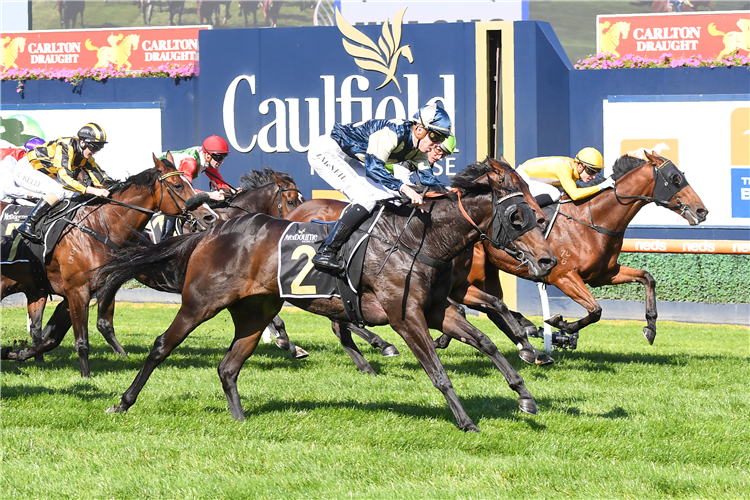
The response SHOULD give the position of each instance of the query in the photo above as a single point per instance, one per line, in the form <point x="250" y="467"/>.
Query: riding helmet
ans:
<point x="434" y="117"/>
<point x="92" y="133"/>
<point x="591" y="157"/>
<point x="33" y="143"/>
<point x="215" y="145"/>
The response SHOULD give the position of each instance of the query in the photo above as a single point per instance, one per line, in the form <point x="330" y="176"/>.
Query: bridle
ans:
<point x="514" y="218"/>
<point x="279" y="192"/>
<point x="668" y="182"/>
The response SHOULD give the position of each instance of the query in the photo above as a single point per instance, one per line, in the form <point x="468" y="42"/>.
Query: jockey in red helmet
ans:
<point x="205" y="158"/>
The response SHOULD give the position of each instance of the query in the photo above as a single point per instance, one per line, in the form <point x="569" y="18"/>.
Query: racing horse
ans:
<point x="99" y="226"/>
<point x="266" y="191"/>
<point x="587" y="239"/>
<point x="466" y="288"/>
<point x="229" y="267"/>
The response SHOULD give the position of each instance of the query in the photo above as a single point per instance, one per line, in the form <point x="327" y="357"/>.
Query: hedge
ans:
<point x="686" y="278"/>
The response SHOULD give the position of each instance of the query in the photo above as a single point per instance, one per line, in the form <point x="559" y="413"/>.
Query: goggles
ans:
<point x="94" y="147"/>
<point x="589" y="170"/>
<point x="219" y="157"/>
<point x="436" y="136"/>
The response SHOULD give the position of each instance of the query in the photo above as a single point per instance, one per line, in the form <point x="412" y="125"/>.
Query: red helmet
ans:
<point x="216" y="145"/>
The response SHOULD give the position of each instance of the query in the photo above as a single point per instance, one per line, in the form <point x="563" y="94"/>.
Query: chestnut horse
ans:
<point x="232" y="267"/>
<point x="587" y="238"/>
<point x="118" y="220"/>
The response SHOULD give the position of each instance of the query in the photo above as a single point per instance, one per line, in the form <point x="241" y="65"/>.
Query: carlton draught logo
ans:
<point x="11" y="48"/>
<point x="662" y="147"/>
<point x="733" y="40"/>
<point x="117" y="53"/>
<point x="382" y="57"/>
<point x="609" y="36"/>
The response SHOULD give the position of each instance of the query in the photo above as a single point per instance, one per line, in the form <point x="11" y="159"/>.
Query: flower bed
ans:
<point x="609" y="61"/>
<point x="75" y="76"/>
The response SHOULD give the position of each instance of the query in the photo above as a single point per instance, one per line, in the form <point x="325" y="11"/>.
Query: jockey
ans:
<point x="51" y="170"/>
<point x="545" y="176"/>
<point x="358" y="159"/>
<point x="8" y="159"/>
<point x="205" y="158"/>
<point x="402" y="172"/>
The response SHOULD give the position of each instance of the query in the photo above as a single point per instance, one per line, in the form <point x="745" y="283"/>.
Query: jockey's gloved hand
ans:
<point x="609" y="182"/>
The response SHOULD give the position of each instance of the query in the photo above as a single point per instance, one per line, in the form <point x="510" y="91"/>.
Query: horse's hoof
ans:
<point x="471" y="428"/>
<point x="5" y="352"/>
<point x="390" y="352"/>
<point x="650" y="334"/>
<point x="556" y="321"/>
<point x="527" y="355"/>
<point x="528" y="406"/>
<point x="116" y="409"/>
<point x="297" y="352"/>
<point x="543" y="359"/>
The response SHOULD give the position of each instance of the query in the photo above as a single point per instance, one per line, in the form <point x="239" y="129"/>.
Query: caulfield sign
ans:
<point x="128" y="49"/>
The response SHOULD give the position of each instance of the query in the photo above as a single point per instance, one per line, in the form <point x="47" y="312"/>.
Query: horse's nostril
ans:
<point x="209" y="219"/>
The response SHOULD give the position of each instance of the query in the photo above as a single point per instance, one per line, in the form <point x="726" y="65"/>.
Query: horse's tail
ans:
<point x="161" y="266"/>
<point x="713" y="31"/>
<point x="89" y="45"/>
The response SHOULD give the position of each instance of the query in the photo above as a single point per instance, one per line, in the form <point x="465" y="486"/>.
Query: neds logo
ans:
<point x="651" y="245"/>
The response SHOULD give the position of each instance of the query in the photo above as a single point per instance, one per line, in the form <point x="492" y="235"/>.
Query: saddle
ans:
<point x="299" y="278"/>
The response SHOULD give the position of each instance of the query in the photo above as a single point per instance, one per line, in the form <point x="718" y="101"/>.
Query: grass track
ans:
<point x="618" y="419"/>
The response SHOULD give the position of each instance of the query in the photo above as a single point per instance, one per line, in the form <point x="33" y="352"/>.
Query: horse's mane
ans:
<point x="256" y="178"/>
<point x="147" y="178"/>
<point x="625" y="164"/>
<point x="466" y="178"/>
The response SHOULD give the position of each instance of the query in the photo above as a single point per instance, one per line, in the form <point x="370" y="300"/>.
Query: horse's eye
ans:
<point x="676" y="179"/>
<point x="517" y="219"/>
<point x="178" y="187"/>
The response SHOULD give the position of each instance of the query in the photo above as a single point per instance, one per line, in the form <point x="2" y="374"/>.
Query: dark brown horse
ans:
<point x="119" y="220"/>
<point x="463" y="290"/>
<point x="587" y="238"/>
<point x="232" y="267"/>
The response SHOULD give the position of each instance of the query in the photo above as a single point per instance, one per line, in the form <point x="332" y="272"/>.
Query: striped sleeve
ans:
<point x="61" y="161"/>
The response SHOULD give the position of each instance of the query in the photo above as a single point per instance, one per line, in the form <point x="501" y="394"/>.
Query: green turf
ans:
<point x="618" y="419"/>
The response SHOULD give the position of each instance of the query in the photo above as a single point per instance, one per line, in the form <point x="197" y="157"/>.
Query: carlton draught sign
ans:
<point x="682" y="35"/>
<point x="128" y="49"/>
<point x="270" y="92"/>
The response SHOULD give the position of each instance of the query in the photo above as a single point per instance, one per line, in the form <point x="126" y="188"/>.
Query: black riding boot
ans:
<point x="327" y="256"/>
<point x="28" y="228"/>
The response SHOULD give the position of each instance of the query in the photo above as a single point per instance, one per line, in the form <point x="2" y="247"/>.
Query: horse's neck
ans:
<point x="260" y="200"/>
<point x="607" y="210"/>
<point x="124" y="222"/>
<point x="449" y="231"/>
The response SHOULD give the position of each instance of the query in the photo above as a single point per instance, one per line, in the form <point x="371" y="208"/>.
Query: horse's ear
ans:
<point x="503" y="160"/>
<point x="652" y="158"/>
<point x="170" y="158"/>
<point x="157" y="162"/>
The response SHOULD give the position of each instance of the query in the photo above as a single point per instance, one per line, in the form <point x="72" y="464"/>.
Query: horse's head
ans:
<point x="510" y="175"/>
<point x="284" y="195"/>
<point x="668" y="186"/>
<point x="173" y="191"/>
<point x="512" y="224"/>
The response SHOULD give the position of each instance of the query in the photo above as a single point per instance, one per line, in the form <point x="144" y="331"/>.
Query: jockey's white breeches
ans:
<point x="32" y="179"/>
<point x="8" y="181"/>
<point x="538" y="187"/>
<point x="345" y="174"/>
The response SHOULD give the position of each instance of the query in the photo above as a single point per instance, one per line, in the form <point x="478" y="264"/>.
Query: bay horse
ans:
<point x="587" y="239"/>
<point x="266" y="191"/>
<point x="99" y="225"/>
<point x="232" y="266"/>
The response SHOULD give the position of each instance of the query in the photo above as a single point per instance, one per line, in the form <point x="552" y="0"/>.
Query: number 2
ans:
<point x="298" y="289"/>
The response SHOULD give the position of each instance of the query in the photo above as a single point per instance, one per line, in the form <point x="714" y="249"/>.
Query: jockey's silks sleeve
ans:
<point x="558" y="171"/>
<point x="58" y="159"/>
<point x="379" y="148"/>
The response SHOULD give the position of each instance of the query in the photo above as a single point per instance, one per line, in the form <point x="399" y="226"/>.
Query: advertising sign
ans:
<point x="279" y="92"/>
<point x="458" y="11"/>
<point x="708" y="34"/>
<point x="130" y="49"/>
<point x="133" y="131"/>
<point x="707" y="137"/>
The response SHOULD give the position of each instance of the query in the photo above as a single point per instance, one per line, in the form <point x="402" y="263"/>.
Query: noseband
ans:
<point x="171" y="192"/>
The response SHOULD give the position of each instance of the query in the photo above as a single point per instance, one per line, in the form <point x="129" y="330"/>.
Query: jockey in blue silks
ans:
<point x="357" y="160"/>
